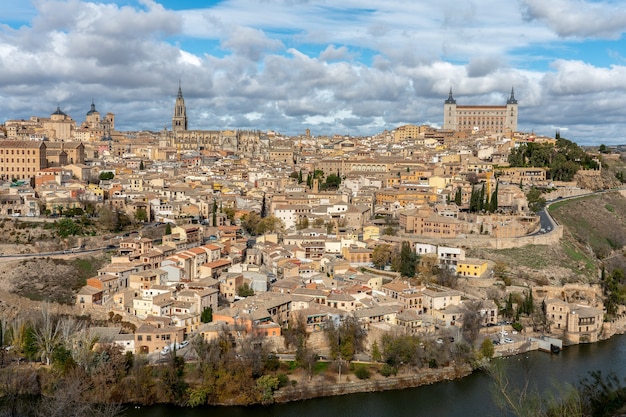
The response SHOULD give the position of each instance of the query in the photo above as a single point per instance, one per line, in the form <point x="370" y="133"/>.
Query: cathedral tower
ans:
<point x="179" y="120"/>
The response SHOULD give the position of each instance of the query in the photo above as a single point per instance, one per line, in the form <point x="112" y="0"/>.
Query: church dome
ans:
<point x="58" y="112"/>
<point x="92" y="110"/>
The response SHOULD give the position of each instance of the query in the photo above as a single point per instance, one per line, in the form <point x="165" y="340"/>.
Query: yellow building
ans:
<point x="523" y="175"/>
<point x="471" y="267"/>
<point x="21" y="159"/>
<point x="408" y="132"/>
<point x="371" y="232"/>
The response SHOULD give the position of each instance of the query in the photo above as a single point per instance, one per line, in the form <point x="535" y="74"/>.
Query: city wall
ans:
<point x="478" y="241"/>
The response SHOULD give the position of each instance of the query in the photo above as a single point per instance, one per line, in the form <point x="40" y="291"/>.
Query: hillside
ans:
<point x="594" y="232"/>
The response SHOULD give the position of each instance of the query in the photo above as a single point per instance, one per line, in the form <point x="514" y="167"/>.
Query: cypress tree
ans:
<point x="481" y="199"/>
<point x="214" y="213"/>
<point x="474" y="205"/>
<point x="494" y="199"/>
<point x="458" y="196"/>
<point x="264" y="207"/>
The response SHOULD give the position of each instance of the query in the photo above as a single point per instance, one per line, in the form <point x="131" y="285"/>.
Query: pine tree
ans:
<point x="458" y="198"/>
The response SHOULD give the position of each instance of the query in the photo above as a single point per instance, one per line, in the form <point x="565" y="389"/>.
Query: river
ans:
<point x="470" y="396"/>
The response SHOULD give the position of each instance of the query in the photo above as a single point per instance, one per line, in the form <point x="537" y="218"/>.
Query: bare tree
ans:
<point x="471" y="320"/>
<point x="17" y="385"/>
<point x="445" y="277"/>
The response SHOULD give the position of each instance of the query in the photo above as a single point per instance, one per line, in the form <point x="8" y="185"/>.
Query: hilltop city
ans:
<point x="239" y="235"/>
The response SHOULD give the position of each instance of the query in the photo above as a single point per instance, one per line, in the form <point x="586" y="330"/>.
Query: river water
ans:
<point x="470" y="396"/>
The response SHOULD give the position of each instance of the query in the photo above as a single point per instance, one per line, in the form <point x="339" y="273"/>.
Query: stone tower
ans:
<point x="449" y="112"/>
<point x="511" y="112"/>
<point x="179" y="120"/>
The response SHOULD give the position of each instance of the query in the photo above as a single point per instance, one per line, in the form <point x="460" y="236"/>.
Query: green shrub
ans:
<point x="388" y="370"/>
<point x="283" y="380"/>
<point x="362" y="372"/>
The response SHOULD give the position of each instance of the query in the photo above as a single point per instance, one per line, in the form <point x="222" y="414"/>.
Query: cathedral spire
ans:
<point x="512" y="99"/>
<point x="179" y="120"/>
<point x="180" y="91"/>
<point x="450" y="99"/>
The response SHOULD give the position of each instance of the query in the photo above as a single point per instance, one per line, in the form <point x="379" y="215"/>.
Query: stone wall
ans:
<point x="351" y="386"/>
<point x="477" y="241"/>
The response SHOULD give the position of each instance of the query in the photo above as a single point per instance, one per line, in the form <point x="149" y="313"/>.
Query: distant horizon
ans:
<point x="357" y="68"/>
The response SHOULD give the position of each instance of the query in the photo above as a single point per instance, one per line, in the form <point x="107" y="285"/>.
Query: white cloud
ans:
<point x="579" y="18"/>
<point x="357" y="68"/>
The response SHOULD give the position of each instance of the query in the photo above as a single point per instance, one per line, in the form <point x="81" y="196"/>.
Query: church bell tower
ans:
<point x="179" y="120"/>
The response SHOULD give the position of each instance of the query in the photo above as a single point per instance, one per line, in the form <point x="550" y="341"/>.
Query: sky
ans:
<point x="351" y="67"/>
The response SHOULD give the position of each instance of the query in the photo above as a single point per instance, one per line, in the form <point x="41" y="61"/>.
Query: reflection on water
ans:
<point x="466" y="397"/>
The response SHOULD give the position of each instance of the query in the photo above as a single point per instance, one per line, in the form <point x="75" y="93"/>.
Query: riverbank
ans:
<point x="322" y="388"/>
<point x="461" y="397"/>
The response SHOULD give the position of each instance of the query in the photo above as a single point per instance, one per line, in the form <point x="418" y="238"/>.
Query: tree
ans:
<point x="47" y="335"/>
<point x="376" y="354"/>
<point x="389" y="231"/>
<point x="67" y="227"/>
<point x="109" y="219"/>
<point x="107" y="175"/>
<point x="245" y="290"/>
<point x="333" y="181"/>
<point x="494" y="200"/>
<point x="141" y="166"/>
<point x="408" y="260"/>
<point x="318" y="222"/>
<point x="250" y="222"/>
<point x="302" y="223"/>
<point x="445" y="277"/>
<point x="141" y="215"/>
<point x="471" y="321"/>
<point x="458" y="196"/>
<point x="168" y="229"/>
<point x="345" y="339"/>
<point x="230" y="213"/>
<point x="535" y="200"/>
<point x="381" y="256"/>
<point x="507" y="311"/>
<point x="603" y="149"/>
<point x="207" y="315"/>
<point x="486" y="348"/>
<point x="264" y="205"/>
<point x="270" y="224"/>
<point x="214" y="224"/>
<point x="267" y="384"/>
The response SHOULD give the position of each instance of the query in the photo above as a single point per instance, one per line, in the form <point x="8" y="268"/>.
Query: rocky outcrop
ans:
<point x="595" y="180"/>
